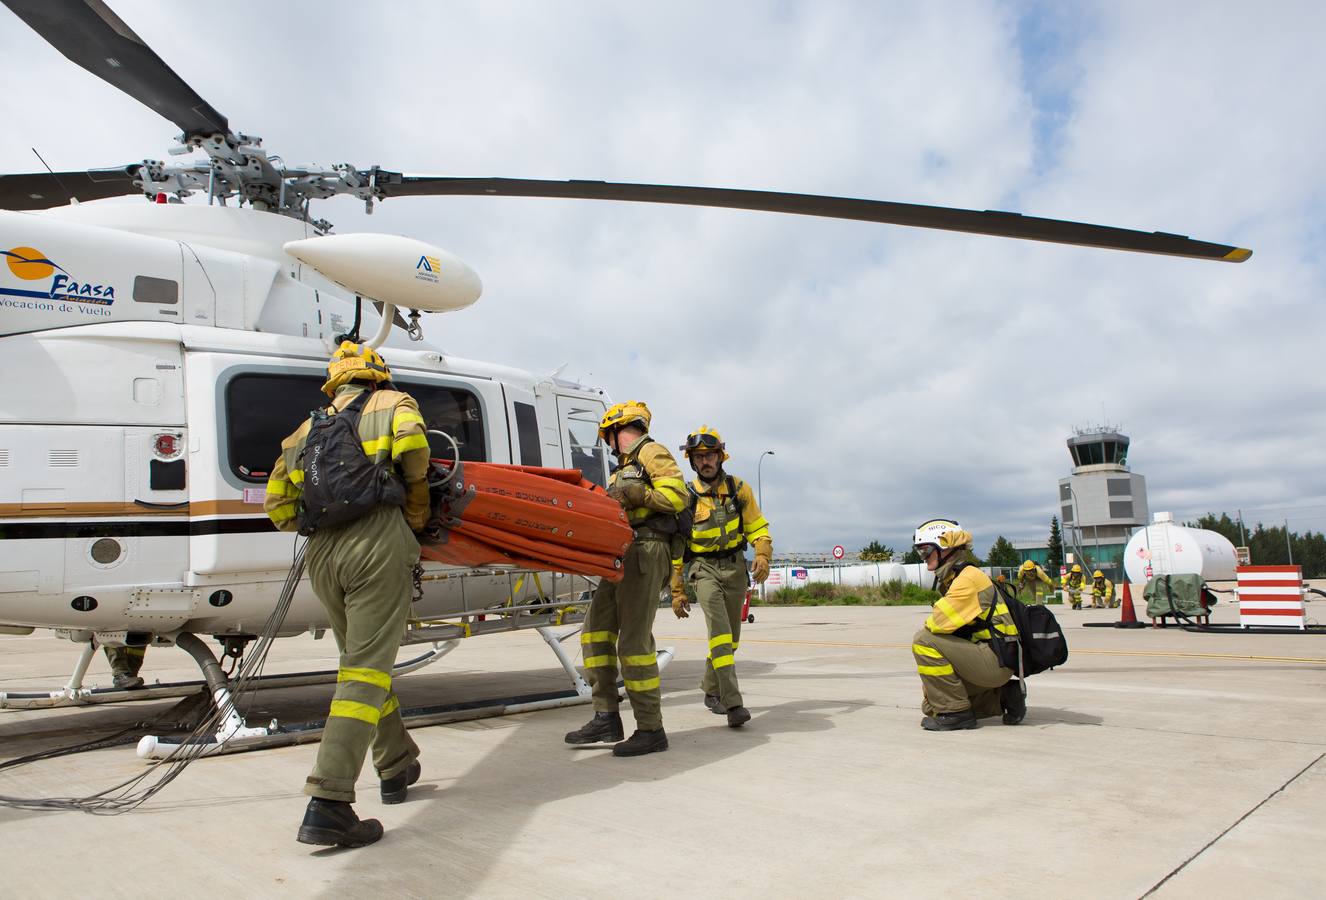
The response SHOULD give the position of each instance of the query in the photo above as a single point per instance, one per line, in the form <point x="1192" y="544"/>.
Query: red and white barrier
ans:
<point x="1271" y="595"/>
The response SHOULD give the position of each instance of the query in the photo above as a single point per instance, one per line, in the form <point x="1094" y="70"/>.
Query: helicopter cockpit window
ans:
<point x="156" y="290"/>
<point x="582" y="448"/>
<point x="261" y="409"/>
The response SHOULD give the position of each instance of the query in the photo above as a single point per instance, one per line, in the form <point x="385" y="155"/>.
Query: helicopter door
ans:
<point x="578" y="420"/>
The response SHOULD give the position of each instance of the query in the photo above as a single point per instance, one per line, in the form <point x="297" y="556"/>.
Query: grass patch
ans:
<point x="890" y="593"/>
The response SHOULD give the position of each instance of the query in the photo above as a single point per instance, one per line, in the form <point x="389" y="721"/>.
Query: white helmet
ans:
<point x="940" y="533"/>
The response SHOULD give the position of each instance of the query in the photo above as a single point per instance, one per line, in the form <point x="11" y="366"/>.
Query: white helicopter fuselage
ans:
<point x="155" y="355"/>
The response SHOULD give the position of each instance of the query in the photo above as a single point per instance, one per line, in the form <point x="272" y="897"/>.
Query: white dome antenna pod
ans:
<point x="398" y="271"/>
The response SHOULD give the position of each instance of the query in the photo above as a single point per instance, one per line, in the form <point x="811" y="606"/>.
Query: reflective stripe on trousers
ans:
<point x="720" y="589"/>
<point x="619" y="628"/>
<point x="957" y="674"/>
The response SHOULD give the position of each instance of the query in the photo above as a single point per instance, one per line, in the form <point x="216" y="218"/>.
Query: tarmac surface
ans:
<point x="1156" y="762"/>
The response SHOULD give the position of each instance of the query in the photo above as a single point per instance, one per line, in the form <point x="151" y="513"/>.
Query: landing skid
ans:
<point x="235" y="736"/>
<point x="74" y="694"/>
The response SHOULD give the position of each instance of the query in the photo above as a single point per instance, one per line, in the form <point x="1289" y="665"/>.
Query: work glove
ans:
<point x="681" y="604"/>
<point x="759" y="570"/>
<point x="629" y="493"/>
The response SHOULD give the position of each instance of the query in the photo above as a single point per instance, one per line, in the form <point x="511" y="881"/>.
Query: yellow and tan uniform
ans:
<point x="1102" y="593"/>
<point x="620" y="621"/>
<point x="716" y="573"/>
<point x="954" y="657"/>
<point x="1073" y="590"/>
<point x="1036" y="583"/>
<point x="361" y="571"/>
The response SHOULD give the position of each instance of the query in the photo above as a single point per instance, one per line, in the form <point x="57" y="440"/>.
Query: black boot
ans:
<point x="603" y="727"/>
<point x="395" y="788"/>
<point x="950" y="721"/>
<point x="712" y="703"/>
<point x="126" y="682"/>
<point x="1012" y="702"/>
<point x="332" y="823"/>
<point x="642" y="742"/>
<point x="737" y="716"/>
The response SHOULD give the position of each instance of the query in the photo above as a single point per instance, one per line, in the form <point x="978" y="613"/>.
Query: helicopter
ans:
<point x="173" y="343"/>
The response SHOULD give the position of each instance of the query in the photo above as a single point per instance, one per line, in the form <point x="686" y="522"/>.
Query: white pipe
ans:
<point x="384" y="330"/>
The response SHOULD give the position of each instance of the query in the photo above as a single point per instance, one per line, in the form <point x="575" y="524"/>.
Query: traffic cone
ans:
<point x="1127" y="616"/>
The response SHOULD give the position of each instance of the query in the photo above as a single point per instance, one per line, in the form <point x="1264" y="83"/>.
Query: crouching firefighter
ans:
<point x="1102" y="591"/>
<point x="725" y="519"/>
<point x="961" y="676"/>
<point x="353" y="478"/>
<point x="1033" y="580"/>
<point x="620" y="621"/>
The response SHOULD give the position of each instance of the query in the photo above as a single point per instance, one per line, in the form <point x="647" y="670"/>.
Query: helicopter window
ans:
<point x="261" y="410"/>
<point x="156" y="290"/>
<point x="455" y="411"/>
<point x="527" y="430"/>
<point x="580" y="426"/>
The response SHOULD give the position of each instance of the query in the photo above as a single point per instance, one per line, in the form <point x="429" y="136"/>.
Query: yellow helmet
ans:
<point x="354" y="362"/>
<point x="632" y="412"/>
<point x="1076" y="568"/>
<point x="1098" y="574"/>
<point x="1028" y="565"/>
<point x="704" y="438"/>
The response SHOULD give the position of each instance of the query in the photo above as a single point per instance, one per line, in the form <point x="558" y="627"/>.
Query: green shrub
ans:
<point x="819" y="593"/>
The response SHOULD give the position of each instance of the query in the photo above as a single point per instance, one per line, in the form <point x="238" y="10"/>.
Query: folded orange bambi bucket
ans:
<point x="526" y="516"/>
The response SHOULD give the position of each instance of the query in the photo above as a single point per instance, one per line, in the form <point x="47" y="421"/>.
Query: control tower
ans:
<point x="1102" y="502"/>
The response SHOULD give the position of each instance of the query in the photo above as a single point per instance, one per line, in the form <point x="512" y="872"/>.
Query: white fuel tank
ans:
<point x="1164" y="548"/>
<point x="398" y="270"/>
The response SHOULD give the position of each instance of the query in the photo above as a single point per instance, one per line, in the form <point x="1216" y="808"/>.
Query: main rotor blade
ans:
<point x="88" y="33"/>
<point x="991" y="222"/>
<point x="42" y="190"/>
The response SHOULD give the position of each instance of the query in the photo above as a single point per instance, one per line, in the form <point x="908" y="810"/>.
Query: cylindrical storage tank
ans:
<point x="1168" y="549"/>
<point x="870" y="574"/>
<point x="916" y="573"/>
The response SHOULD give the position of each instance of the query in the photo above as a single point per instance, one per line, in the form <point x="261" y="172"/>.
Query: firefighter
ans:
<point x="1073" y="587"/>
<point x="125" y="663"/>
<point x="361" y="571"/>
<point x="1102" y="591"/>
<point x="1035" y="582"/>
<point x="726" y="518"/>
<point x="961" y="676"/>
<point x="620" y="621"/>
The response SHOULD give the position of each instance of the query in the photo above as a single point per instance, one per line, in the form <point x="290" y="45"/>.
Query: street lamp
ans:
<point x="759" y="484"/>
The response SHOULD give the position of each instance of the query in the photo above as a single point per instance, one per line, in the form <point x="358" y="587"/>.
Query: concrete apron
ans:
<point x="1155" y="757"/>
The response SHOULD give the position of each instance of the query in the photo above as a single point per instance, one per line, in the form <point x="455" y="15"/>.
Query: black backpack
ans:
<point x="1040" y="645"/>
<point x="341" y="483"/>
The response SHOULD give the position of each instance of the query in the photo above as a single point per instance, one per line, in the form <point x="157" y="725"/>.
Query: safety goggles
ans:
<point x="702" y="442"/>
<point x="924" y="550"/>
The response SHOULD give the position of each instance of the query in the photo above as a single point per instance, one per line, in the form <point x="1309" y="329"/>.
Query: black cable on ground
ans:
<point x="133" y="792"/>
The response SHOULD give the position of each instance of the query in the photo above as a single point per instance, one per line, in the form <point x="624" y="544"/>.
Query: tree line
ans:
<point x="1269" y="546"/>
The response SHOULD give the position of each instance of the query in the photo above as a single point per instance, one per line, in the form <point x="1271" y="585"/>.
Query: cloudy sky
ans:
<point x="897" y="374"/>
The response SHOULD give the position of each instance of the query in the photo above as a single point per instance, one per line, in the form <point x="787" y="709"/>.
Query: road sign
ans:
<point x="838" y="552"/>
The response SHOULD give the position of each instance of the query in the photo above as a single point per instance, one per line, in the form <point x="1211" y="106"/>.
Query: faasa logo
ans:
<point x="428" y="269"/>
<point x="30" y="264"/>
